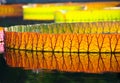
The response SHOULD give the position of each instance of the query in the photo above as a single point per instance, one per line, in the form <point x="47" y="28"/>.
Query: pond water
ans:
<point x="11" y="21"/>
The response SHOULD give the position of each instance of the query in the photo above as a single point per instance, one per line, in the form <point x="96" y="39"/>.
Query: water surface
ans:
<point x="37" y="67"/>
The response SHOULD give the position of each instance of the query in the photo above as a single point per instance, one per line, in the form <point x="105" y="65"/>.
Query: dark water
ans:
<point x="11" y="21"/>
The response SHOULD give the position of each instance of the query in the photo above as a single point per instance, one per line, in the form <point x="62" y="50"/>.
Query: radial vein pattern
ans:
<point x="71" y="37"/>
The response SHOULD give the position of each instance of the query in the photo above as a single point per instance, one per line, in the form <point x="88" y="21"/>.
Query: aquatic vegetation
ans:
<point x="101" y="5"/>
<point x="87" y="16"/>
<point x="45" y="12"/>
<point x="65" y="37"/>
<point x="11" y="10"/>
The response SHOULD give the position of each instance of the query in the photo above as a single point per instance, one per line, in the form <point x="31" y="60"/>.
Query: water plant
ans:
<point x="65" y="37"/>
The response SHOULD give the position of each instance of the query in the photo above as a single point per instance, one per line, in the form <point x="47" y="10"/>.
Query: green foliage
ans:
<point x="58" y="28"/>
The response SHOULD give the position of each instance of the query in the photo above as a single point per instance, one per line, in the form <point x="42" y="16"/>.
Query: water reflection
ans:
<point x="65" y="62"/>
